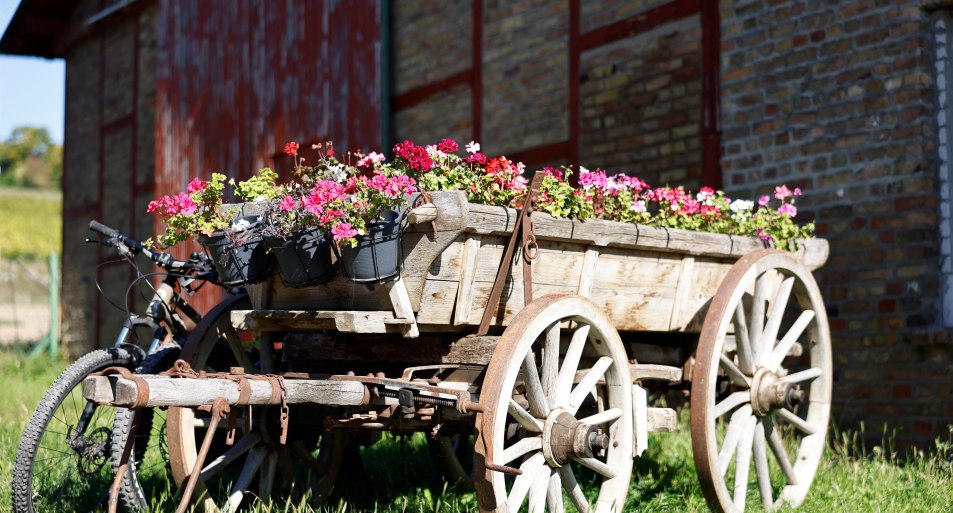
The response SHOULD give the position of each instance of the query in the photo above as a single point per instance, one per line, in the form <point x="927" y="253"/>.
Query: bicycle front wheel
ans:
<point x="62" y="463"/>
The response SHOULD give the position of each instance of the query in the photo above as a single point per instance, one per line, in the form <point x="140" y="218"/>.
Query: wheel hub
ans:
<point x="769" y="393"/>
<point x="565" y="438"/>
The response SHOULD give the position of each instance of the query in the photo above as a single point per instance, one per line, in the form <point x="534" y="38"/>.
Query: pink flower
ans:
<point x="186" y="205"/>
<point x="553" y="172"/>
<point x="370" y="159"/>
<point x="288" y="203"/>
<point x="787" y="209"/>
<point x="477" y="159"/>
<point x="448" y="146"/>
<point x="343" y="231"/>
<point x="797" y="191"/>
<point x="764" y="200"/>
<point x="781" y="192"/>
<point x="196" y="185"/>
<point x="291" y="149"/>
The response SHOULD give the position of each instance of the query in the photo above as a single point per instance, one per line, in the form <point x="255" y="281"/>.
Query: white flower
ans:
<point x="337" y="173"/>
<point x="739" y="206"/>
<point x="583" y="170"/>
<point x="371" y="158"/>
<point x="241" y="225"/>
<point x="473" y="147"/>
<point x="638" y="206"/>
<point x="435" y="153"/>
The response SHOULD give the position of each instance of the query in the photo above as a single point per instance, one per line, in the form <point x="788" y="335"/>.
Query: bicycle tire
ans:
<point x="39" y="438"/>
<point x="132" y="494"/>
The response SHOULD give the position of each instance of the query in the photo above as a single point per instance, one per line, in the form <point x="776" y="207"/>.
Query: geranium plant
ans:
<point x="197" y="211"/>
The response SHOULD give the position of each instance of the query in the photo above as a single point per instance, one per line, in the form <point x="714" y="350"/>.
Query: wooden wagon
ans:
<point x="553" y="386"/>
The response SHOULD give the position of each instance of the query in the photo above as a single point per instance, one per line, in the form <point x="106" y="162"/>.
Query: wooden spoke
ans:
<point x="756" y="320"/>
<point x="554" y="494"/>
<point x="525" y="419"/>
<point x="602" y="417"/>
<point x="732" y="434"/>
<point x="568" y="480"/>
<point x="231" y="454"/>
<point x="731" y="402"/>
<point x="727" y="436"/>
<point x="796" y="421"/>
<point x="238" y="352"/>
<point x="538" y="490"/>
<point x="237" y="492"/>
<point x="742" y="340"/>
<point x="597" y="466"/>
<point x="266" y="477"/>
<point x="520" y="448"/>
<point x="773" y="325"/>
<point x="737" y="377"/>
<point x="804" y="375"/>
<point x="567" y="374"/>
<point x="551" y="360"/>
<point x="742" y="462"/>
<point x="567" y="382"/>
<point x="777" y="356"/>
<point x="534" y="389"/>
<point x="780" y="453"/>
<point x="762" y="473"/>
<point x="587" y="383"/>
<point x="522" y="483"/>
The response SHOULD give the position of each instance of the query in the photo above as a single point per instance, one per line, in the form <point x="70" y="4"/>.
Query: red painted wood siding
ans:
<point x="238" y="79"/>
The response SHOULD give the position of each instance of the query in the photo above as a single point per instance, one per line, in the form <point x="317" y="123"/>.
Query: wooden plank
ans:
<point x="402" y="307"/>
<point x="685" y="282"/>
<point x="346" y="321"/>
<point x="316" y="349"/>
<point x="662" y="420"/>
<point x="655" y="372"/>
<point x="436" y="302"/>
<point x="166" y="391"/>
<point x="468" y="274"/>
<point x="586" y="274"/>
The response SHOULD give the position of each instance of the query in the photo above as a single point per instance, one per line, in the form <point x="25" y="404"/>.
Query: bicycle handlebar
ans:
<point x="122" y="243"/>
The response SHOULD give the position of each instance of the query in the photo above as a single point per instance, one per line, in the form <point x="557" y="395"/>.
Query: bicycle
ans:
<point x="63" y="459"/>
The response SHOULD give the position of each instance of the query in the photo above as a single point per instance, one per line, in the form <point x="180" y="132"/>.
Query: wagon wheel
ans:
<point x="256" y="464"/>
<point x="759" y="402"/>
<point x="538" y="415"/>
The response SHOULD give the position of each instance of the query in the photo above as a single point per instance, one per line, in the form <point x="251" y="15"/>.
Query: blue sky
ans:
<point x="31" y="90"/>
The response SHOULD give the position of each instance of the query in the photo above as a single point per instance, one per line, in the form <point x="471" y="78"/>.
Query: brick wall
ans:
<point x="108" y="169"/>
<point x="838" y="99"/>
<point x="641" y="101"/>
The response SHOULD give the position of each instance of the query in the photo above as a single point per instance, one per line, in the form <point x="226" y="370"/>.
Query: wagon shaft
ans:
<point x="167" y="391"/>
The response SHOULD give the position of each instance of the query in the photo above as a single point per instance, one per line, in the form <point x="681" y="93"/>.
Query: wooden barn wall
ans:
<point x="236" y="80"/>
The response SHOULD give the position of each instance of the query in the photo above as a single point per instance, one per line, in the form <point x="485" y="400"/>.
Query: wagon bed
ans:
<point x="645" y="278"/>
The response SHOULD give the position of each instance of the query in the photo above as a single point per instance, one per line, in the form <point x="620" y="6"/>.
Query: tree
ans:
<point x="30" y="158"/>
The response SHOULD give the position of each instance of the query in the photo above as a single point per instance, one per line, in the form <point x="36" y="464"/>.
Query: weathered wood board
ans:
<point x="646" y="278"/>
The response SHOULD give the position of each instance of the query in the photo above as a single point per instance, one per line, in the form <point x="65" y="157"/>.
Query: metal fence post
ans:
<point x="52" y="339"/>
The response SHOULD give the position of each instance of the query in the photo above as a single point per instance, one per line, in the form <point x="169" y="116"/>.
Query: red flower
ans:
<point x="330" y="149"/>
<point x="291" y="149"/>
<point x="477" y="159"/>
<point x="448" y="146"/>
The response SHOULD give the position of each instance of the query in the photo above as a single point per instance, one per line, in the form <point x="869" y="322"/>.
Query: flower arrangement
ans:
<point x="195" y="212"/>
<point x="336" y="198"/>
<point x="343" y="198"/>
<point x="619" y="197"/>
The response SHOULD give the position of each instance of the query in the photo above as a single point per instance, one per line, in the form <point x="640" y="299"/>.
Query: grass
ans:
<point x="395" y="474"/>
<point x="30" y="223"/>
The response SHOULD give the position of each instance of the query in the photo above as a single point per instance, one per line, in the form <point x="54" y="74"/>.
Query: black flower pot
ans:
<point x="303" y="258"/>
<point x="243" y="261"/>
<point x="376" y="257"/>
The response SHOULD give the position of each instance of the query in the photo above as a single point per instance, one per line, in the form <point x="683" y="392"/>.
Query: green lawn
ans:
<point x="396" y="472"/>
<point x="31" y="223"/>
